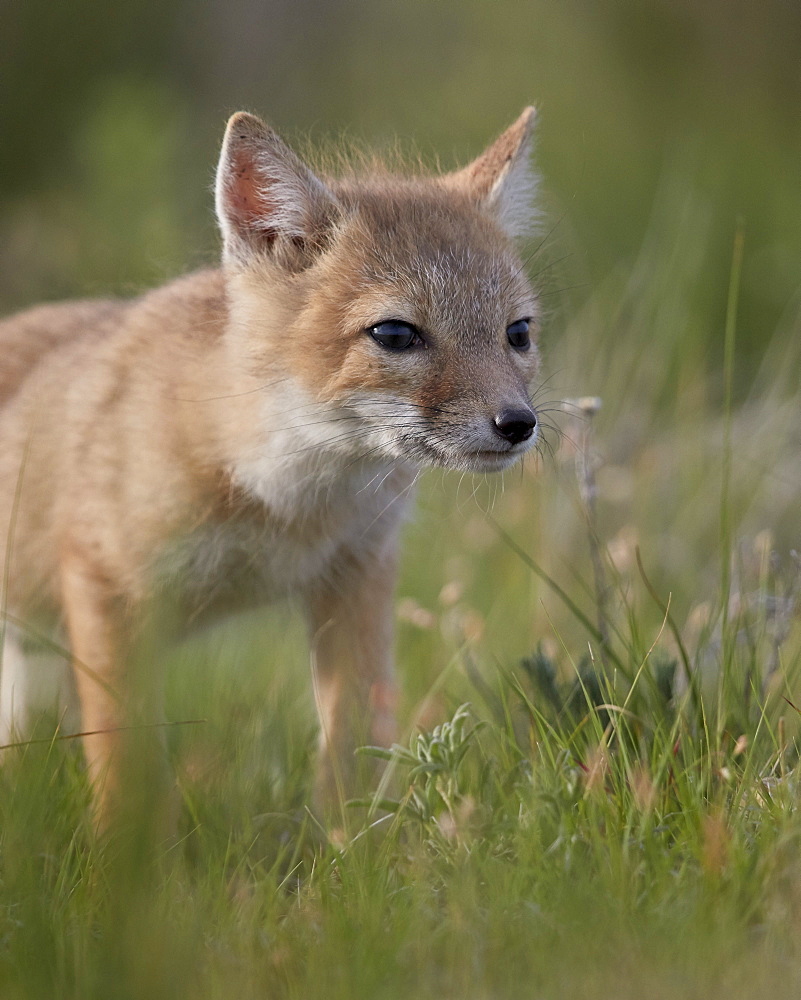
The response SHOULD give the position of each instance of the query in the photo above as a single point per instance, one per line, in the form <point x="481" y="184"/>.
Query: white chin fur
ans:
<point x="484" y="461"/>
<point x="477" y="455"/>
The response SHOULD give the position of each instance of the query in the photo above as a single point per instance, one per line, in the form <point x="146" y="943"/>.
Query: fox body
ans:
<point x="257" y="430"/>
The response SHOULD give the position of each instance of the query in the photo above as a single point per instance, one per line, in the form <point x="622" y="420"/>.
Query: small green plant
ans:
<point x="432" y="769"/>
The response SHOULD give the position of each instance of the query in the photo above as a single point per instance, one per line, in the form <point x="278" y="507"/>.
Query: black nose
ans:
<point x="515" y="425"/>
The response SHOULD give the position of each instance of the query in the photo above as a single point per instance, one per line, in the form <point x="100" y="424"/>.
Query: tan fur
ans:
<point x="239" y="432"/>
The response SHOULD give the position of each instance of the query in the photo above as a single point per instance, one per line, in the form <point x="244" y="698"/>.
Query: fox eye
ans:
<point x="396" y="336"/>
<point x="517" y="334"/>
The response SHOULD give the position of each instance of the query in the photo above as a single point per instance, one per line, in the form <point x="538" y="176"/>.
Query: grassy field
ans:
<point x="597" y="791"/>
<point x="608" y="637"/>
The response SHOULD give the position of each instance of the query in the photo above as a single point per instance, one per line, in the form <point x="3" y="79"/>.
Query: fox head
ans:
<point x="397" y="306"/>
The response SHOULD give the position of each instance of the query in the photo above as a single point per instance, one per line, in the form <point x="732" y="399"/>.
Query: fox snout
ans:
<point x="479" y="441"/>
<point x="515" y="424"/>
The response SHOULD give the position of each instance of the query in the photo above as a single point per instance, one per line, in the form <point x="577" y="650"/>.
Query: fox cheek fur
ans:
<point x="259" y="428"/>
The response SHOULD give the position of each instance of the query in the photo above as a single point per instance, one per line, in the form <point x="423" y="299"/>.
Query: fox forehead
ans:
<point x="424" y="254"/>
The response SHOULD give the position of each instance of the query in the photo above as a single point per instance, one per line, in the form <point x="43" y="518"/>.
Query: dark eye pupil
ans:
<point x="518" y="334"/>
<point x="395" y="335"/>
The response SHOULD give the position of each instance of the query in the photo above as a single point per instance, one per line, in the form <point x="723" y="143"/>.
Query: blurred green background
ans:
<point x="112" y="114"/>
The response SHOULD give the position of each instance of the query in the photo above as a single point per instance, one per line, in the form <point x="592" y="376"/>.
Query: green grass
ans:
<point x="538" y="846"/>
<point x="598" y="820"/>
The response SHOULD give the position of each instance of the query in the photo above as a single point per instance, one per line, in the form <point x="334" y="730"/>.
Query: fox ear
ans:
<point x="266" y="197"/>
<point x="501" y="179"/>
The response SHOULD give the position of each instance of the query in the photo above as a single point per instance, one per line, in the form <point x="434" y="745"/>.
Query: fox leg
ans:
<point x="121" y="711"/>
<point x="351" y="620"/>
<point x="96" y="626"/>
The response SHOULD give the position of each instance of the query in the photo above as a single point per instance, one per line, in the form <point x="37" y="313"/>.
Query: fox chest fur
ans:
<point x="303" y="528"/>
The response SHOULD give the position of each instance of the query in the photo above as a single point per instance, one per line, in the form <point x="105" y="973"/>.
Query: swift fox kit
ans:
<point x="258" y="429"/>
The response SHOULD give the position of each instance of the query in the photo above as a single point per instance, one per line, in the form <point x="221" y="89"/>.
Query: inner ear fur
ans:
<point x="501" y="179"/>
<point x="266" y="197"/>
